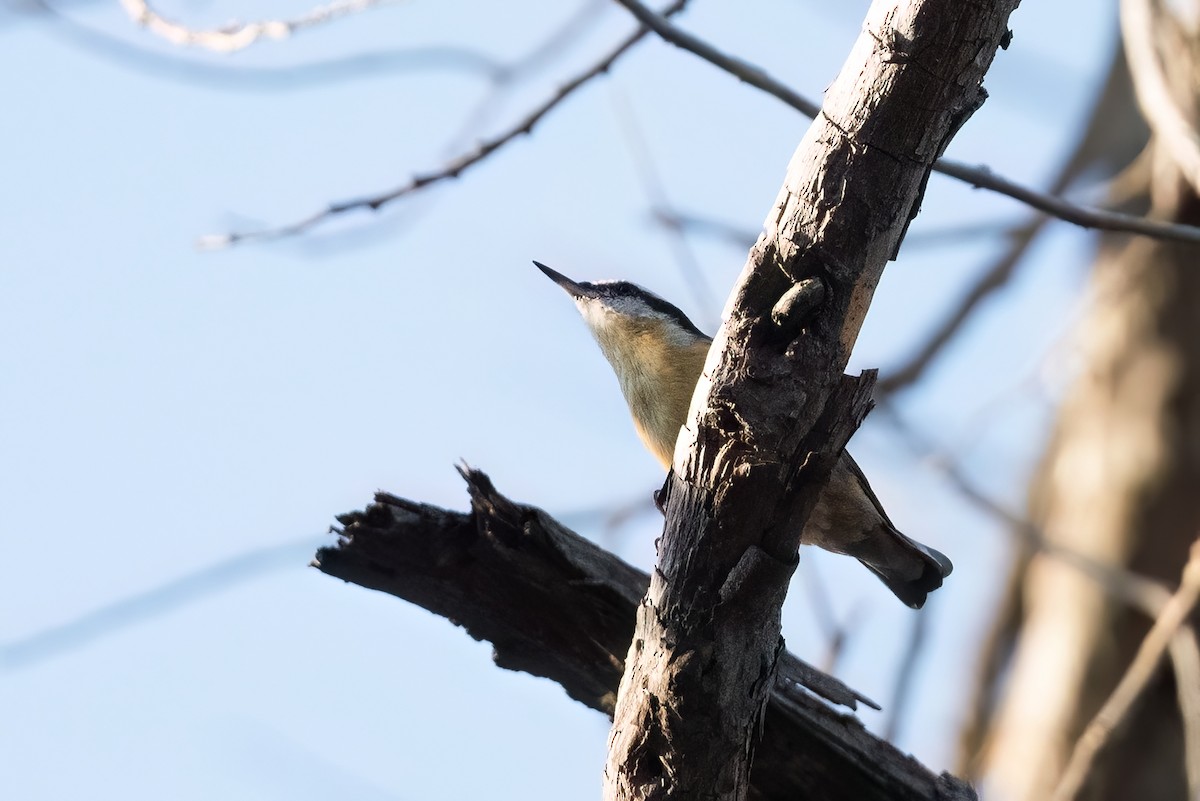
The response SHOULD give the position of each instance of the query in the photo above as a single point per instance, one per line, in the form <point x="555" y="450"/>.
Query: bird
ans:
<point x="658" y="355"/>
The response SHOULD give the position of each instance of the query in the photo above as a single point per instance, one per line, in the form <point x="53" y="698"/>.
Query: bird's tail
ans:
<point x="908" y="568"/>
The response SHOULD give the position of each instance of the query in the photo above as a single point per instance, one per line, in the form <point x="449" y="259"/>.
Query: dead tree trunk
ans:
<point x="1119" y="484"/>
<point x="1120" y="480"/>
<point x="773" y="410"/>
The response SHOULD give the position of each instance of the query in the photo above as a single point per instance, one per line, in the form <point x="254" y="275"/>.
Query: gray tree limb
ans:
<point x="555" y="605"/>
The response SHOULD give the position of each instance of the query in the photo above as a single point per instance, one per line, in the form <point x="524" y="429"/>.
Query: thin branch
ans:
<point x="820" y="605"/>
<point x="988" y="283"/>
<point x="609" y="518"/>
<point x="1171" y="126"/>
<point x="684" y="222"/>
<point x="451" y="170"/>
<point x="240" y="35"/>
<point x="1185" y="660"/>
<point x="953" y="233"/>
<point x="1141" y="593"/>
<point x="744" y="71"/>
<point x="979" y="177"/>
<point x="992" y="662"/>
<point x="1146" y="595"/>
<point x="652" y="184"/>
<point x="1083" y="216"/>
<point x="906" y="676"/>
<point x="919" y="236"/>
<point x="244" y="78"/>
<point x="144" y="605"/>
<point x="1144" y="666"/>
<point x="1104" y="146"/>
<point x="511" y="76"/>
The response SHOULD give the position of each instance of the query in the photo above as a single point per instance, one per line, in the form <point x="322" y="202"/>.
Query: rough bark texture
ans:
<point x="555" y="605"/>
<point x="773" y="409"/>
<point x="1118" y="483"/>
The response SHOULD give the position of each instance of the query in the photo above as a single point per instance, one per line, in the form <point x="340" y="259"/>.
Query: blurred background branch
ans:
<point x="236" y="36"/>
<point x="1174" y="614"/>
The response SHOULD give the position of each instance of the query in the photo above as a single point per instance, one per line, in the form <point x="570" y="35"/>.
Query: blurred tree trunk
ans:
<point x="1119" y="482"/>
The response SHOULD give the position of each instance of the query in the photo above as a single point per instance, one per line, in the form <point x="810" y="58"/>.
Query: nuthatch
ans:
<point x="658" y="355"/>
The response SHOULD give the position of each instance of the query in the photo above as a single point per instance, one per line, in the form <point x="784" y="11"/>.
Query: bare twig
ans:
<point x="905" y="676"/>
<point x="685" y="222"/>
<point x="1185" y="659"/>
<point x="1146" y="595"/>
<point x="918" y="237"/>
<point x="1083" y="216"/>
<point x="1129" y="689"/>
<point x="744" y="71"/>
<point x="1171" y="126"/>
<point x="100" y="622"/>
<point x="980" y="177"/>
<point x="508" y="78"/>
<point x="931" y="236"/>
<point x="652" y="184"/>
<point x="991" y="280"/>
<point x="1104" y="147"/>
<point x="450" y="170"/>
<point x="820" y="605"/>
<point x="240" y="35"/>
<point x="1141" y="593"/>
<point x="284" y="77"/>
<point x="992" y="663"/>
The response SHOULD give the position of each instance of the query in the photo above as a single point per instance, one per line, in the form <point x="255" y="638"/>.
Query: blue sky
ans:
<point x="170" y="414"/>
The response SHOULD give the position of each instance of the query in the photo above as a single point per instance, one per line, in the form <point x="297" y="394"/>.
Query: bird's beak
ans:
<point x="573" y="289"/>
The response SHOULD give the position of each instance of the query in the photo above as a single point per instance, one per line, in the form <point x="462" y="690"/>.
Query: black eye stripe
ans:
<point x="624" y="289"/>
